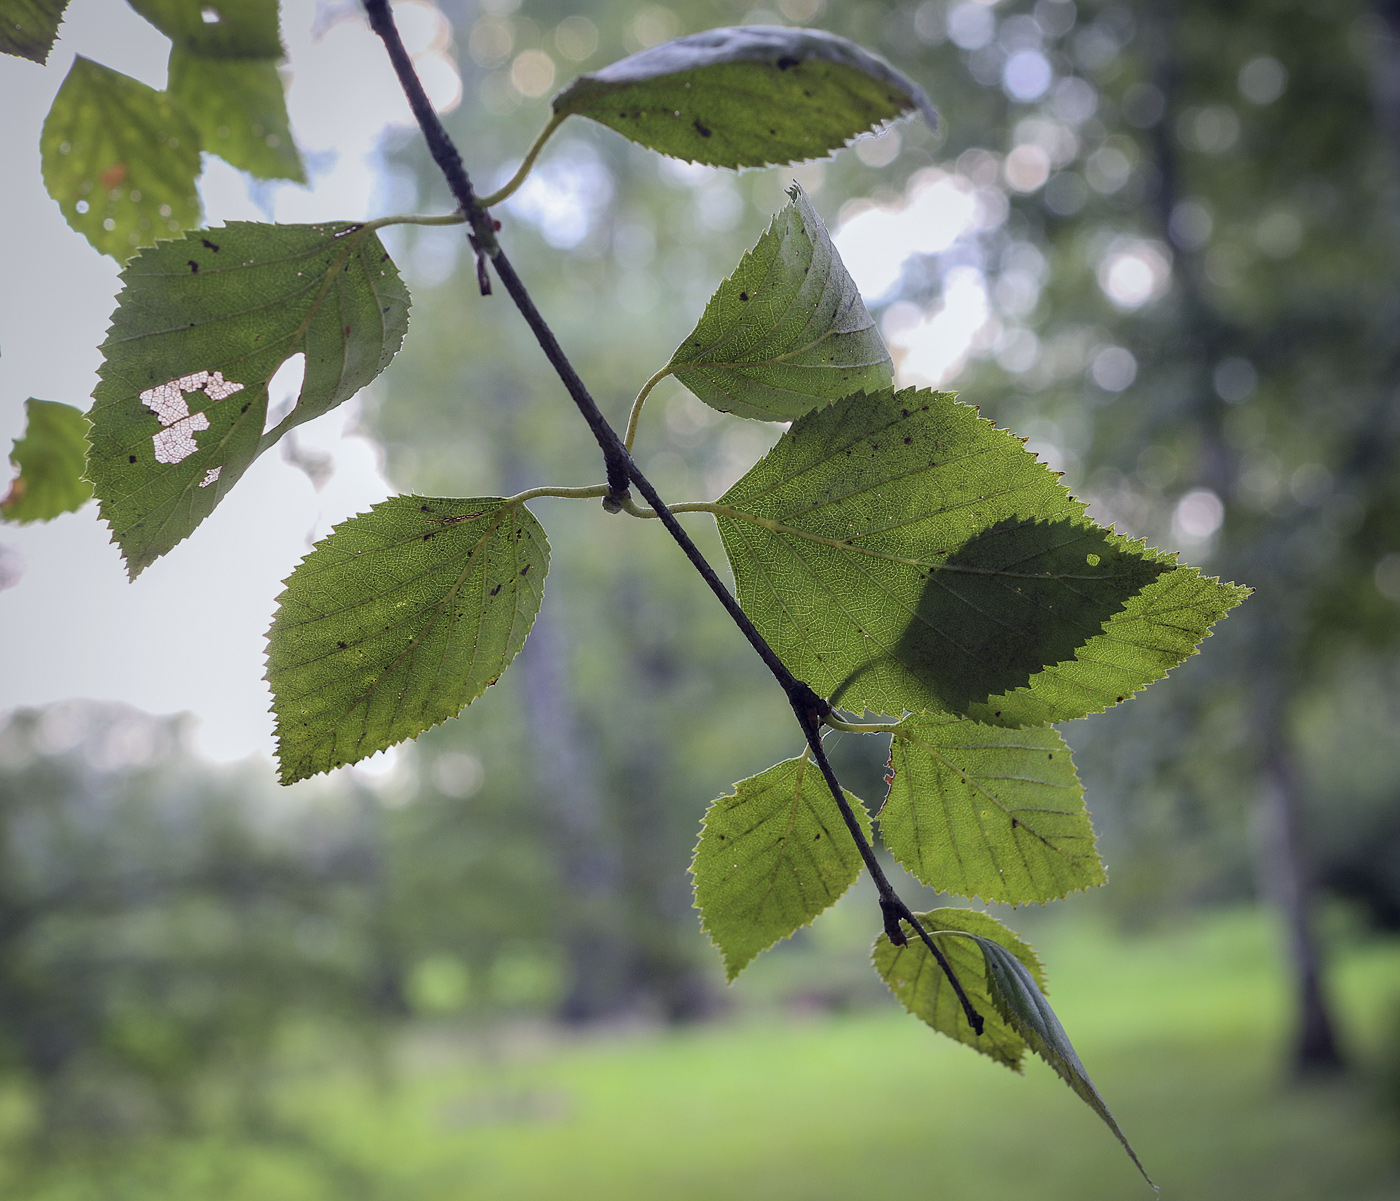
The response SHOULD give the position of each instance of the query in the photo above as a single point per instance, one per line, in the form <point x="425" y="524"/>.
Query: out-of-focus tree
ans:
<point x="165" y="926"/>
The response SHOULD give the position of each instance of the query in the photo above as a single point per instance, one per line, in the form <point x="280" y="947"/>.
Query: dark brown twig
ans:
<point x="622" y="472"/>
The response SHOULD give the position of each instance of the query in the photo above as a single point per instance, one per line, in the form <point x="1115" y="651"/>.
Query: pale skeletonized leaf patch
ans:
<point x="175" y="442"/>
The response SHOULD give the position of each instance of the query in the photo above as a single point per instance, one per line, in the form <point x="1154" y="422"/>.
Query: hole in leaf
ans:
<point x="283" y="389"/>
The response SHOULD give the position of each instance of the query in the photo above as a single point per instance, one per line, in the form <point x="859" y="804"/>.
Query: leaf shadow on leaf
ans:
<point x="1016" y="598"/>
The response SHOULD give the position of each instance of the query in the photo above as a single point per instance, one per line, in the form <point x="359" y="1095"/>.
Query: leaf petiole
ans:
<point x="416" y="219"/>
<point x="635" y="415"/>
<point x="583" y="493"/>
<point x="524" y="169"/>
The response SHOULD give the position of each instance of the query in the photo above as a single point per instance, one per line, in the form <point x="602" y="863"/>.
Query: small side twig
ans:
<point x="622" y="472"/>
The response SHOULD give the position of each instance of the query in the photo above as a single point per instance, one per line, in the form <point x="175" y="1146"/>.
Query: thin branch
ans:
<point x="809" y="708"/>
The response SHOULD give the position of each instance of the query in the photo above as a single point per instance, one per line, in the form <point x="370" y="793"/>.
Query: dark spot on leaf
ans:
<point x="341" y="645"/>
<point x="703" y="130"/>
<point x="194" y="267"/>
<point x="347" y="331"/>
<point x="818" y="838"/>
<point x="208" y="245"/>
<point x="1120" y="700"/>
<point x="495" y="590"/>
<point x="131" y="458"/>
<point x="243" y="410"/>
<point x="424" y="509"/>
<point x="787" y="62"/>
<point x="904" y="412"/>
<point x="1015" y="825"/>
<point x="907" y="441"/>
<point x="743" y="295"/>
<point x="524" y="569"/>
<point x="427" y="536"/>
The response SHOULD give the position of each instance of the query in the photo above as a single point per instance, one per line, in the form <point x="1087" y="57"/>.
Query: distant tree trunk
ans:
<point x="658" y="837"/>
<point x="566" y="776"/>
<point x="1285" y="877"/>
<point x="1281" y="862"/>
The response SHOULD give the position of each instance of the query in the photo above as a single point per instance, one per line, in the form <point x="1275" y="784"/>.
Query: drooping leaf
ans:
<point x="982" y="811"/>
<point x="398" y="619"/>
<point x="217" y="28"/>
<point x="746" y="97"/>
<point x="29" y="28"/>
<point x="903" y="555"/>
<point x="120" y="159"/>
<point x="50" y="460"/>
<point x="787" y="331"/>
<point x="240" y="110"/>
<point x="1020" y="1000"/>
<point x="202" y="324"/>
<point x="772" y="856"/>
<point x="918" y="982"/>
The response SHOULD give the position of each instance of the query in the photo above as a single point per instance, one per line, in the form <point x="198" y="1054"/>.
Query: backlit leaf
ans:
<point x="772" y="856"/>
<point x="240" y="110"/>
<point x="397" y="620"/>
<point x="787" y="331"/>
<point x="50" y="460"/>
<point x="981" y="811"/>
<point x="120" y="159"/>
<point x="1020" y="1001"/>
<point x="919" y="983"/>
<point x="217" y="28"/>
<point x="29" y="28"/>
<point x="202" y="324"/>
<point x="746" y="97"/>
<point x="903" y="555"/>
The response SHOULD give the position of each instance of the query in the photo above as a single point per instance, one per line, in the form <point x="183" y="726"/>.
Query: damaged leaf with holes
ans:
<point x="120" y="159"/>
<point x="396" y="621"/>
<point x="986" y="812"/>
<point x="772" y="856"/>
<point x="787" y="331"/>
<point x="746" y="97"/>
<point x="50" y="460"/>
<point x="229" y="29"/>
<point x="903" y="555"/>
<point x="202" y="324"/>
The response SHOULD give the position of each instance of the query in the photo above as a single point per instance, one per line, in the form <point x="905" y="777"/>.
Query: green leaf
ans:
<point x="746" y="97"/>
<point x="1020" y="1001"/>
<point x="120" y="159"/>
<point x="50" y="460"/>
<point x="29" y="28"/>
<point x="771" y="857"/>
<point x="903" y="555"/>
<point x="202" y="324"/>
<point x="240" y="110"/>
<point x="787" y="331"/>
<point x="917" y="980"/>
<point x="398" y="619"/>
<point x="981" y="811"/>
<point x="217" y="28"/>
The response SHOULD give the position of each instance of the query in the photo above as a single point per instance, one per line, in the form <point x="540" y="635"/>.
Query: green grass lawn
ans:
<point x="1183" y="1034"/>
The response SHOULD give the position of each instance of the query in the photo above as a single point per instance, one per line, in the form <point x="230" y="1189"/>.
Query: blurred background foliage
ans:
<point x="1157" y="238"/>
